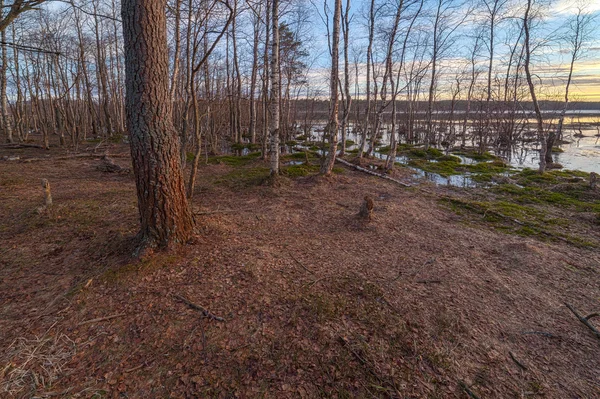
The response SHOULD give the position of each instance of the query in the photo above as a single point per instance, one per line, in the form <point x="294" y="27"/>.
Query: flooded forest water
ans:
<point x="577" y="149"/>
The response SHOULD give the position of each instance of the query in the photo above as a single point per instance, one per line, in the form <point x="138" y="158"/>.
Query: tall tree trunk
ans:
<point x="19" y="100"/>
<point x="253" y="77"/>
<point x="363" y="142"/>
<point x="347" y="96"/>
<point x="536" y="106"/>
<point x="429" y="134"/>
<point x="275" y="88"/>
<point x="333" y="125"/>
<point x="164" y="212"/>
<point x="176" y="51"/>
<point x="6" y="126"/>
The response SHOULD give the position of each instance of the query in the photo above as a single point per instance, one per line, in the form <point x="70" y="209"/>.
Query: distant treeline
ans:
<point x="322" y="106"/>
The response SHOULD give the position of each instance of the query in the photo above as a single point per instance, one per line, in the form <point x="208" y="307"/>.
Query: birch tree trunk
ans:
<point x="348" y="98"/>
<point x="275" y="100"/>
<point x="333" y="126"/>
<point x="363" y="142"/>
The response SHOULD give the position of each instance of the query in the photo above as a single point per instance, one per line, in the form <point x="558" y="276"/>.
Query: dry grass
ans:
<point x="31" y="365"/>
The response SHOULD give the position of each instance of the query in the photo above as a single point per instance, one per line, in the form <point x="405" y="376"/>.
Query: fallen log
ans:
<point x="15" y="146"/>
<point x="107" y="165"/>
<point x="370" y="172"/>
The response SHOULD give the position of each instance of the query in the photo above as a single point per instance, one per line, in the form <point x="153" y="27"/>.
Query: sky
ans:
<point x="551" y="59"/>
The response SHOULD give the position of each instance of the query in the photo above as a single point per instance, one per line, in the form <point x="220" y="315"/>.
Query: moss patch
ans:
<point x="518" y="219"/>
<point x="233" y="160"/>
<point x="476" y="156"/>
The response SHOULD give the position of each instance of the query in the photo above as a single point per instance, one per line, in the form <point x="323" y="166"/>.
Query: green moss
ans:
<point x="384" y="150"/>
<point x="232" y="160"/>
<point x="524" y="220"/>
<point x="476" y="156"/>
<point x="299" y="156"/>
<point x="450" y="158"/>
<point x="434" y="152"/>
<point x="116" y="138"/>
<point x="417" y="153"/>
<point x="299" y="170"/>
<point x="578" y="196"/>
<point x="557" y="149"/>
<point x="238" y="146"/>
<point x="448" y="165"/>
<point x="487" y="167"/>
<point x="241" y="177"/>
<point x="142" y="267"/>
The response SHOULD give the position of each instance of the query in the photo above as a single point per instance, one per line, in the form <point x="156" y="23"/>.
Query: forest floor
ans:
<point x="446" y="293"/>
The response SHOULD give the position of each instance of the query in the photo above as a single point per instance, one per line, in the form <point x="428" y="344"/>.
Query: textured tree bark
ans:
<point x="164" y="213"/>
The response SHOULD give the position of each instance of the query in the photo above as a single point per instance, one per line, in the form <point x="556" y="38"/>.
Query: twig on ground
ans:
<point x="101" y="319"/>
<point x="592" y="315"/>
<point x="545" y="334"/>
<point x="518" y="363"/>
<point x="308" y="285"/>
<point x="138" y="367"/>
<point x="367" y="364"/>
<point x="199" y="308"/>
<point x="223" y="211"/>
<point x="467" y="390"/>
<point x="584" y="320"/>
<point x="217" y="211"/>
<point x="429" y="281"/>
<point x="300" y="264"/>
<point x="427" y="262"/>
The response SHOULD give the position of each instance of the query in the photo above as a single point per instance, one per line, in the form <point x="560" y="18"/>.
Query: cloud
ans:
<point x="570" y="7"/>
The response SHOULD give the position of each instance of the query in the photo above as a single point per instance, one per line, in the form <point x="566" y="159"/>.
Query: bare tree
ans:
<point x="333" y="125"/>
<point x="275" y="92"/>
<point x="536" y="106"/>
<point x="578" y="32"/>
<point x="347" y="95"/>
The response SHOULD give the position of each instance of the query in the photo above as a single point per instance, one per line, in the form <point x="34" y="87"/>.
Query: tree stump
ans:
<point x="366" y="208"/>
<point x="47" y="194"/>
